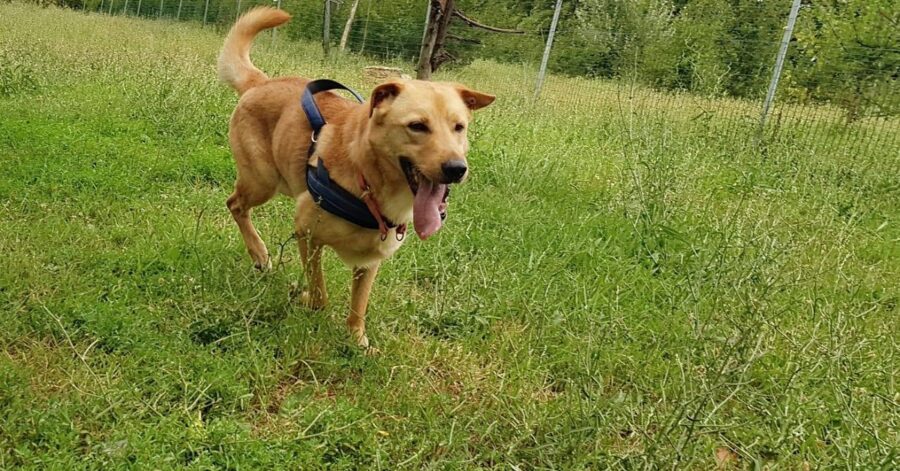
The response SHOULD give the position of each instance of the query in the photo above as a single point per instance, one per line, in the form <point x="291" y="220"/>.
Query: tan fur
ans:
<point x="235" y="67"/>
<point x="270" y="136"/>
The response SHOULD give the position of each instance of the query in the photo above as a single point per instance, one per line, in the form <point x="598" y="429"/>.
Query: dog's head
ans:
<point x="423" y="126"/>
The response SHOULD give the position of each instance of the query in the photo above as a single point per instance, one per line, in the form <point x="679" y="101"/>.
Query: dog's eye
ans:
<point x="460" y="127"/>
<point x="418" y="126"/>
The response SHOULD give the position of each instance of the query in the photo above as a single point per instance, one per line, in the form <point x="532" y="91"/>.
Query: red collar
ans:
<point x="368" y="197"/>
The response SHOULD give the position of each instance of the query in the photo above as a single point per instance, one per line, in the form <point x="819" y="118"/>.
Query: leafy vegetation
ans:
<point x="624" y="282"/>
<point x="843" y="52"/>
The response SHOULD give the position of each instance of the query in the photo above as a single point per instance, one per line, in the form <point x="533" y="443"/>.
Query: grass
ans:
<point x="619" y="285"/>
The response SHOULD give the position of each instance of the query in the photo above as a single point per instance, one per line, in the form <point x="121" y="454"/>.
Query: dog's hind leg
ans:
<point x="240" y="203"/>
<point x="315" y="296"/>
<point x="363" y="277"/>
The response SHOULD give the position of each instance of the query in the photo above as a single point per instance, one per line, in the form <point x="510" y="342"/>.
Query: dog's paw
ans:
<point x="312" y="302"/>
<point x="368" y="350"/>
<point x="263" y="264"/>
<point x="371" y="351"/>
<point x="362" y="341"/>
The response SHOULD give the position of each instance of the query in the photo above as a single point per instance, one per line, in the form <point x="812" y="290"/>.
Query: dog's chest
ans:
<point x="369" y="250"/>
<point x="398" y="207"/>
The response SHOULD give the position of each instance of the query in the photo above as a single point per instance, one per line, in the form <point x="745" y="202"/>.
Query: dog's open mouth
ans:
<point x="429" y="200"/>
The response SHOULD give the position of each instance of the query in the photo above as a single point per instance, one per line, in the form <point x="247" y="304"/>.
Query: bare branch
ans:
<point x="475" y="24"/>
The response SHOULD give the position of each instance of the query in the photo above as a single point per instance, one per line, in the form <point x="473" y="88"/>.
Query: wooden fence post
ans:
<point x="350" y="17"/>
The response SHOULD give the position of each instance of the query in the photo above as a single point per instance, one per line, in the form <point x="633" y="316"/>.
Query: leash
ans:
<point x="326" y="193"/>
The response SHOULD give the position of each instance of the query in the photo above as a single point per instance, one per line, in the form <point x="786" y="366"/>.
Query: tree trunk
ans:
<point x="437" y="57"/>
<point x="438" y="21"/>
<point x="423" y="68"/>
<point x="432" y="53"/>
<point x="350" y="18"/>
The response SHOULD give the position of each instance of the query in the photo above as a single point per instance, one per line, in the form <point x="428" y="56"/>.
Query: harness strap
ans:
<point x="375" y="210"/>
<point x="308" y="103"/>
<point x="333" y="198"/>
<point x="326" y="193"/>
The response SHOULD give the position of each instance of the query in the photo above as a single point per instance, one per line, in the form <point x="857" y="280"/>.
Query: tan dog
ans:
<point x="408" y="142"/>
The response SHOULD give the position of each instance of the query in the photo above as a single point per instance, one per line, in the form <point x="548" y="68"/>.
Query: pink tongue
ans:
<point x="427" y="208"/>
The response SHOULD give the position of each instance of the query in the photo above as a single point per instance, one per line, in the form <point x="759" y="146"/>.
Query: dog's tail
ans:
<point x="234" y="65"/>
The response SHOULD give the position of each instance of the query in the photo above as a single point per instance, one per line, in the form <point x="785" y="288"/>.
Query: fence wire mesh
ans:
<point x="857" y="115"/>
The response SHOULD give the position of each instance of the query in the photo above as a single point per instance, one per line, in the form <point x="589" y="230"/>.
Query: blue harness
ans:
<point x="326" y="193"/>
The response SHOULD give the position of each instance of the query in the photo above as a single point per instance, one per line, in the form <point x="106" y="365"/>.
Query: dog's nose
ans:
<point x="454" y="170"/>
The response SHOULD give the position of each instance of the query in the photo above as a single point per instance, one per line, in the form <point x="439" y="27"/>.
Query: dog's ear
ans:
<point x="381" y="93"/>
<point x="473" y="99"/>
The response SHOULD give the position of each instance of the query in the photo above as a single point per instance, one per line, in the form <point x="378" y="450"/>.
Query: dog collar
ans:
<point x="325" y="192"/>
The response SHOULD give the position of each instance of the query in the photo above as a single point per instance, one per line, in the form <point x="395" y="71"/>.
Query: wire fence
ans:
<point x="860" y="121"/>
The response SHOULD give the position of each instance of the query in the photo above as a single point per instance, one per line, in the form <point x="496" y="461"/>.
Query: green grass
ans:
<point x="620" y="284"/>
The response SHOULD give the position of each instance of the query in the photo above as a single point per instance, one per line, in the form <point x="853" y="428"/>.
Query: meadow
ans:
<point x="619" y="285"/>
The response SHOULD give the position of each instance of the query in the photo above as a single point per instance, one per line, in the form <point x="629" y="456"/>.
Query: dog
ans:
<point x="399" y="150"/>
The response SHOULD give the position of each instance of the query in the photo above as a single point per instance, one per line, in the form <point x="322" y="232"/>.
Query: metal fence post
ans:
<point x="362" y="46"/>
<point x="160" y="8"/>
<point x="205" y="11"/>
<point x="779" y="64"/>
<point x="139" y="8"/>
<point x="274" y="30"/>
<point x="178" y="15"/>
<point x="326" y="27"/>
<point x="125" y="8"/>
<point x="238" y="12"/>
<point x="546" y="58"/>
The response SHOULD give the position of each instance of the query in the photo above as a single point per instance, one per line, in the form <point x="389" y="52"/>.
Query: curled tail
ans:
<point x="234" y="65"/>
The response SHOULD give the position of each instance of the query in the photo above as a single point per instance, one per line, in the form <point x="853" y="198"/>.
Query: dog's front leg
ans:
<point x="363" y="277"/>
<point x="315" y="296"/>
